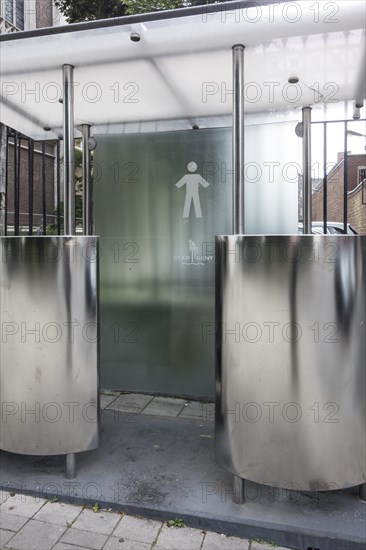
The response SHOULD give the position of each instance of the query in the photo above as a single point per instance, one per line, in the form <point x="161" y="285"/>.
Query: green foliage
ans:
<point x="96" y="507"/>
<point x="144" y="6"/>
<point x="52" y="227"/>
<point x="87" y="10"/>
<point x="176" y="523"/>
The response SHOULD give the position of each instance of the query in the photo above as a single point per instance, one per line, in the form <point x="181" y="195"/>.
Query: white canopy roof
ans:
<point x="182" y="66"/>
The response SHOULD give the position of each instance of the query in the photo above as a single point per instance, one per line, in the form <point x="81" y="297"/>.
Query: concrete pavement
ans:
<point x="29" y="523"/>
<point x="157" y="460"/>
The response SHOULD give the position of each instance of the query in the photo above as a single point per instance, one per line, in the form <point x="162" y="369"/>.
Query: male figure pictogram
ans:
<point x="192" y="182"/>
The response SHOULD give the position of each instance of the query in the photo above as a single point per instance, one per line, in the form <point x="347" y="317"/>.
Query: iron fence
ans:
<point x="33" y="196"/>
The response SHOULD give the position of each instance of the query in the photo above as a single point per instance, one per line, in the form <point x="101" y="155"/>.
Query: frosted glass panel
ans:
<point x="160" y="199"/>
<point x="272" y="166"/>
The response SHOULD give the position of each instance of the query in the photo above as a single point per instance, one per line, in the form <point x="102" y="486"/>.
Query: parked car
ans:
<point x="333" y="228"/>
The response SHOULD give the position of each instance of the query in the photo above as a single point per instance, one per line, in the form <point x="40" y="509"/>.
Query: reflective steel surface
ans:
<point x="49" y="345"/>
<point x="290" y="359"/>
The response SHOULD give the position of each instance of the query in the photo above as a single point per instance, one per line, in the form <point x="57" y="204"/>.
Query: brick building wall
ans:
<point x="37" y="14"/>
<point x="357" y="209"/>
<point x="335" y="193"/>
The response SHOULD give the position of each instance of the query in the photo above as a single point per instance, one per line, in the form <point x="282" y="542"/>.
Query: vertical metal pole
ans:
<point x="58" y="188"/>
<point x="325" y="181"/>
<point x="69" y="186"/>
<point x="70" y="466"/>
<point x="19" y="154"/>
<point x="30" y="184"/>
<point x="3" y="177"/>
<point x="6" y="183"/>
<point x="362" y="492"/>
<point x="238" y="490"/>
<point x="306" y="169"/>
<point x="345" y="178"/>
<point x="87" y="192"/>
<point x="238" y="140"/>
<point x="16" y="184"/>
<point x="69" y="151"/>
<point x="44" y="205"/>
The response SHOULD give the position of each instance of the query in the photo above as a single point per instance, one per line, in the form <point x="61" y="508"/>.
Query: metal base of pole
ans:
<point x="239" y="490"/>
<point x="71" y="466"/>
<point x="362" y="492"/>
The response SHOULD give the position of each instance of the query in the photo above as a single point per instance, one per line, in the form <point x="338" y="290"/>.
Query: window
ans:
<point x="14" y="13"/>
<point x="361" y="174"/>
<point x="9" y="10"/>
<point x="19" y="14"/>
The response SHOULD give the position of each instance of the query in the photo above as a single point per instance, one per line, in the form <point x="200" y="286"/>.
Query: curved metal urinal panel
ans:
<point x="49" y="344"/>
<point x="291" y="359"/>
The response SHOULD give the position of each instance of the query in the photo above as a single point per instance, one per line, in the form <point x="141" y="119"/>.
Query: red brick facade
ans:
<point x="356" y="210"/>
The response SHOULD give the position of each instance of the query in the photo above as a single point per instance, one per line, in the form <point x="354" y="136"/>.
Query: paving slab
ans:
<point x="139" y="529"/>
<point x="215" y="541"/>
<point x="192" y="409"/>
<point x="165" y="406"/>
<point x="201" y="411"/>
<point x="107" y="399"/>
<point x="64" y="546"/>
<point x="3" y="496"/>
<point x="22" y="505"/>
<point x="180" y="538"/>
<point x="118" y="543"/>
<point x="37" y="535"/>
<point x="130" y="402"/>
<point x="161" y="468"/>
<point x="85" y="539"/>
<point x="97" y="522"/>
<point x="11" y="522"/>
<point x="59" y="513"/>
<point x="5" y="536"/>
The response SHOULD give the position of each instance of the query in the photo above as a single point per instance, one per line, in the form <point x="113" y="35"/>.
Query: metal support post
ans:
<point x="306" y="169"/>
<point x="30" y="185"/>
<point x="71" y="466"/>
<point x="69" y="151"/>
<point x="238" y="140"/>
<point x="238" y="184"/>
<point x="3" y="175"/>
<point x="58" y="188"/>
<point x="16" y="180"/>
<point x="87" y="191"/>
<point x="239" y="490"/>
<point x="362" y="492"/>
<point x="44" y="190"/>
<point x="345" y="178"/>
<point x="69" y="187"/>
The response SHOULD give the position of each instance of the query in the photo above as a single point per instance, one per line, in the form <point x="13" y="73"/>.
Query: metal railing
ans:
<point x="345" y="161"/>
<point x="27" y="186"/>
<point x="27" y="208"/>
